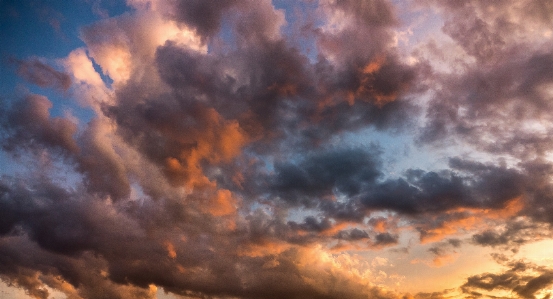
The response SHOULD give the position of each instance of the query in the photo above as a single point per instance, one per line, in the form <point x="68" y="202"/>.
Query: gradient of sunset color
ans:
<point x="258" y="149"/>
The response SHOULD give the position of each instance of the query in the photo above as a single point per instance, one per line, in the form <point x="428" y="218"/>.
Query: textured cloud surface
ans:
<point x="282" y="149"/>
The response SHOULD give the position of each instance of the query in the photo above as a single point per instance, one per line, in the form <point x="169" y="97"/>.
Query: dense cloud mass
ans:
<point x="243" y="149"/>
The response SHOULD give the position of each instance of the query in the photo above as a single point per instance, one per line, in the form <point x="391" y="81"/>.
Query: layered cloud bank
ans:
<point x="243" y="149"/>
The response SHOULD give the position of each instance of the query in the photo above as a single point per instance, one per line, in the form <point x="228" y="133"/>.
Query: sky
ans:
<point x="309" y="149"/>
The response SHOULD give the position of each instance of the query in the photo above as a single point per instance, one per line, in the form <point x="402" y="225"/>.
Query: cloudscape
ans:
<point x="264" y="149"/>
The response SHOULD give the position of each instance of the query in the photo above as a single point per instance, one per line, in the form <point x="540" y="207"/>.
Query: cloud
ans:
<point x="41" y="74"/>
<point x="204" y="16"/>
<point x="341" y="171"/>
<point x="514" y="234"/>
<point x="424" y="191"/>
<point x="27" y="123"/>
<point x="506" y="84"/>
<point x="385" y="239"/>
<point x="483" y="96"/>
<point x="219" y="159"/>
<point x="101" y="248"/>
<point x="356" y="174"/>
<point x="523" y="278"/>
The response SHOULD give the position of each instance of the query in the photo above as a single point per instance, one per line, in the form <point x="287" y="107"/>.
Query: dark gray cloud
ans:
<point x="354" y="234"/>
<point x="356" y="174"/>
<point x="432" y="200"/>
<point x="27" y="123"/>
<point x="41" y="74"/>
<point x="515" y="234"/>
<point x="522" y="278"/>
<point x="443" y="248"/>
<point x="385" y="239"/>
<point x="204" y="16"/>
